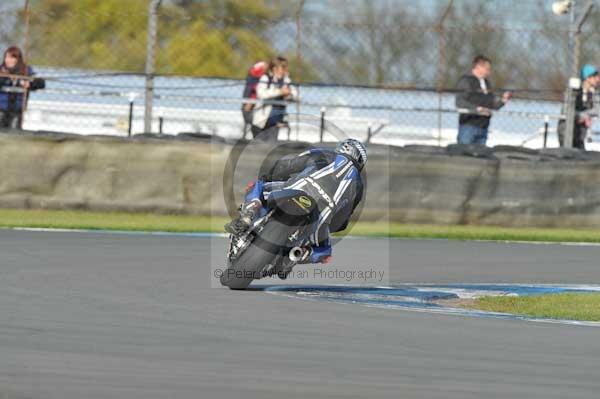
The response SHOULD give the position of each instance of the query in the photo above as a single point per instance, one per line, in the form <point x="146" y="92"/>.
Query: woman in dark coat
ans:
<point x="16" y="80"/>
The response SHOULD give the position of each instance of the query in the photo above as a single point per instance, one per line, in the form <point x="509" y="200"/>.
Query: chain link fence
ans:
<point x="380" y="70"/>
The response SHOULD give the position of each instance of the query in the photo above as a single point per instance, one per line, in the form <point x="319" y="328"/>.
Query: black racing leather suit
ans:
<point x="331" y="179"/>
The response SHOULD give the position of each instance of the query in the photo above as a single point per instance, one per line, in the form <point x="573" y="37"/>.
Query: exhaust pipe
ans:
<point x="297" y="254"/>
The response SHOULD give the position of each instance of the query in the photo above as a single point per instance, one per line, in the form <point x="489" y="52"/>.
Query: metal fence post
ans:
<point x="322" y="127"/>
<point x="570" y="115"/>
<point x="575" y="32"/>
<point x="25" y="43"/>
<point x="441" y="63"/>
<point x="130" y="119"/>
<point x="577" y="40"/>
<point x="546" y="123"/>
<point x="297" y="71"/>
<point x="150" y="47"/>
<point x="25" y="46"/>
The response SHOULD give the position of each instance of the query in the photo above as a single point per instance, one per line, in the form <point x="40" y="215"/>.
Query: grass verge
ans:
<point x="565" y="306"/>
<point x="10" y="218"/>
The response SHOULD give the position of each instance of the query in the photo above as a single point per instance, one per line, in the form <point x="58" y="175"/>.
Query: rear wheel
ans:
<point x="263" y="251"/>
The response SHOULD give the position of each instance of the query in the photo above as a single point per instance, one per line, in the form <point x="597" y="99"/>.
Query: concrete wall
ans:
<point x="62" y="172"/>
<point x="466" y="185"/>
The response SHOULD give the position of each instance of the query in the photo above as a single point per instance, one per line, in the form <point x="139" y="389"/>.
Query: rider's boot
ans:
<point x="248" y="213"/>
<point x="249" y="210"/>
<point x="321" y="254"/>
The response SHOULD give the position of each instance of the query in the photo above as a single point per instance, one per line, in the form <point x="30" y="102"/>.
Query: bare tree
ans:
<point x="378" y="43"/>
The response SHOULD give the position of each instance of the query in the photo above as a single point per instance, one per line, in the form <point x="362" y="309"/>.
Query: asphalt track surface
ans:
<point x="119" y="316"/>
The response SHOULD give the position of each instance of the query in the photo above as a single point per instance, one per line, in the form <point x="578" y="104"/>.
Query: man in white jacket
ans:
<point x="273" y="89"/>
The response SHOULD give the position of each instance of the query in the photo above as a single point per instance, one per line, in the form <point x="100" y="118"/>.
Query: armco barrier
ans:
<point x="415" y="184"/>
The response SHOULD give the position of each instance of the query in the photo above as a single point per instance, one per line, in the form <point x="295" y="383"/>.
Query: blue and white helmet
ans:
<point x="355" y="150"/>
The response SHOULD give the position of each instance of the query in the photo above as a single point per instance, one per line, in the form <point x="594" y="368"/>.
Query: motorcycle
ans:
<point x="278" y="239"/>
<point x="275" y="242"/>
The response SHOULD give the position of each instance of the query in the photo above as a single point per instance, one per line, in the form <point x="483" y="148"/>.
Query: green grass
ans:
<point x="10" y="218"/>
<point x="566" y="306"/>
<point x="495" y="233"/>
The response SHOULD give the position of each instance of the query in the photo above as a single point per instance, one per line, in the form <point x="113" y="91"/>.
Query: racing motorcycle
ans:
<point x="278" y="239"/>
<point x="275" y="242"/>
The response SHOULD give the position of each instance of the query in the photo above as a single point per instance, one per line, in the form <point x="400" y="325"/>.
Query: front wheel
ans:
<point x="263" y="251"/>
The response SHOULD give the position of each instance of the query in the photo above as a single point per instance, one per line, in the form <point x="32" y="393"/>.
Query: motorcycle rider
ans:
<point x="331" y="177"/>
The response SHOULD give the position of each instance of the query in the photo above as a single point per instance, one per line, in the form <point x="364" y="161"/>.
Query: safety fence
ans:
<point x="103" y="104"/>
<point x="384" y="70"/>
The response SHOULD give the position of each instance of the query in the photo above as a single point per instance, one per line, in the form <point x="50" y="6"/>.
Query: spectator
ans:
<point x="273" y="86"/>
<point x="14" y="90"/>
<point x="584" y="103"/>
<point x="476" y="97"/>
<point x="252" y="78"/>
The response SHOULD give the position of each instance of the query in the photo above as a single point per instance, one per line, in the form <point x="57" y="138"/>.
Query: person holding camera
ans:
<point x="273" y="88"/>
<point x="476" y="101"/>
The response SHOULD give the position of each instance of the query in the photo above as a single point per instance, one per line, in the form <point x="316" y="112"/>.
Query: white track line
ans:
<point x="351" y="237"/>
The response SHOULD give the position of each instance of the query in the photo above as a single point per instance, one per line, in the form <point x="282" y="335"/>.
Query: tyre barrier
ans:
<point x="506" y="186"/>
